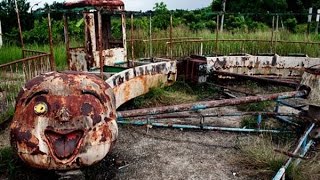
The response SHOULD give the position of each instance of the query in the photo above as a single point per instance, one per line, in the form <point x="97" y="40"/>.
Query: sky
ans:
<point x="144" y="5"/>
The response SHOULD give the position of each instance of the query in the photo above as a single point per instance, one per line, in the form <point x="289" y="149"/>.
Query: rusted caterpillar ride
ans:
<point x="68" y="120"/>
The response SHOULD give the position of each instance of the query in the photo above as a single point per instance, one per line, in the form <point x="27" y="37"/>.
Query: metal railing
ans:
<point x="15" y="74"/>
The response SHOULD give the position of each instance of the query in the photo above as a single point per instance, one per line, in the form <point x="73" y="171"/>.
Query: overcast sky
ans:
<point x="144" y="5"/>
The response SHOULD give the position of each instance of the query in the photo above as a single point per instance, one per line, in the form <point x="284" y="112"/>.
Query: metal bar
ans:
<point x="286" y="120"/>
<point x="150" y="37"/>
<point x="217" y="35"/>
<point x="52" y="61"/>
<point x="100" y="43"/>
<point x="210" y="104"/>
<point x="259" y="79"/>
<point x="23" y="60"/>
<point x="249" y="40"/>
<point x="304" y="152"/>
<point x="66" y="38"/>
<point x="212" y="128"/>
<point x="19" y="24"/>
<point x="132" y="42"/>
<point x="174" y="116"/>
<point x="290" y="105"/>
<point x="272" y="34"/>
<point x="171" y="34"/>
<point x="282" y="170"/>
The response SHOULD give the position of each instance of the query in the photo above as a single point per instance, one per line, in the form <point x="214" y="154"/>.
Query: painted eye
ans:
<point x="40" y="108"/>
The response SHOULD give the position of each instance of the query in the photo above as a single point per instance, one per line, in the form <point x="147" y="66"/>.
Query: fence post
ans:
<point x="272" y="34"/>
<point x="52" y="61"/>
<point x="309" y="20"/>
<point x="132" y="43"/>
<point x="171" y="29"/>
<point x="66" y="38"/>
<point x="217" y="35"/>
<point x="317" y="20"/>
<point x="19" y="24"/>
<point x="150" y="37"/>
<point x="1" y="42"/>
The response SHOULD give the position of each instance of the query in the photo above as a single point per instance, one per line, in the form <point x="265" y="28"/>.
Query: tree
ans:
<point x="161" y="19"/>
<point x="9" y="18"/>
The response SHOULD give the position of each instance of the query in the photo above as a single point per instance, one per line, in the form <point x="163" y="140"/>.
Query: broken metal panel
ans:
<point x="64" y="121"/>
<point x="111" y="57"/>
<point x="77" y="61"/>
<point x="261" y="65"/>
<point x="137" y="81"/>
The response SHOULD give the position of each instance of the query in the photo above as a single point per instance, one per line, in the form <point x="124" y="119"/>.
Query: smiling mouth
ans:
<point x="64" y="145"/>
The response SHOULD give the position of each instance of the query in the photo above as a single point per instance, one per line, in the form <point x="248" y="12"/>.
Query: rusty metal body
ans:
<point x="64" y="121"/>
<point x="311" y="79"/>
<point x="99" y="43"/>
<point x="139" y="80"/>
<point x="275" y="65"/>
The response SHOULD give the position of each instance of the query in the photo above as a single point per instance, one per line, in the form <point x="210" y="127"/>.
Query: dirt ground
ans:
<point x="171" y="153"/>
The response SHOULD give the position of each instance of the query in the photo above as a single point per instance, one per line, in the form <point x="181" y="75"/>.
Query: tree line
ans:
<point x="241" y="15"/>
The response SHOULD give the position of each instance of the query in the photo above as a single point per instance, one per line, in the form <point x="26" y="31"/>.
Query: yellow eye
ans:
<point x="40" y="108"/>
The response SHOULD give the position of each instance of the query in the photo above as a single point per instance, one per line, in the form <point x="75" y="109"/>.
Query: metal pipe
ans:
<point x="258" y="79"/>
<point x="171" y="29"/>
<point x="282" y="170"/>
<point x="100" y="43"/>
<point x="210" y="104"/>
<point x="150" y="37"/>
<point x="132" y="42"/>
<point x="174" y="116"/>
<point x="212" y="128"/>
<point x="52" y="61"/>
<point x="304" y="152"/>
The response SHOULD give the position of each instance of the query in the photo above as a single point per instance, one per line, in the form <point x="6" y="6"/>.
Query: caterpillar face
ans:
<point x="64" y="121"/>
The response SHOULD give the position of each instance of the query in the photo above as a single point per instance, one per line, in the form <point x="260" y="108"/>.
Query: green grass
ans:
<point x="260" y="106"/>
<point x="260" y="159"/>
<point x="178" y="93"/>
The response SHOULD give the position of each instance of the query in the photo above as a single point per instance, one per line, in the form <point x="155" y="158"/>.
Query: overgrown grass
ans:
<point x="260" y="159"/>
<point x="12" y="167"/>
<point x="259" y="106"/>
<point x="178" y="93"/>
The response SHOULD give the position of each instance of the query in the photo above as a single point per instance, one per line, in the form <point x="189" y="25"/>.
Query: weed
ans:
<point x="259" y="106"/>
<point x="259" y="157"/>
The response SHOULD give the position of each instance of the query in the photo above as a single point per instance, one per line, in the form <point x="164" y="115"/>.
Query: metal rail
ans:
<point x="209" y="104"/>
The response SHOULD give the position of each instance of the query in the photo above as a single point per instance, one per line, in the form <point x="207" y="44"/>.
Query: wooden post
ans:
<point x="272" y="34"/>
<point x="132" y="41"/>
<point x="66" y="38"/>
<point x="52" y="61"/>
<point x="217" y="35"/>
<point x="223" y="11"/>
<point x="1" y="42"/>
<point x="171" y="29"/>
<point x="150" y="37"/>
<point x="19" y="24"/>
<point x="309" y="20"/>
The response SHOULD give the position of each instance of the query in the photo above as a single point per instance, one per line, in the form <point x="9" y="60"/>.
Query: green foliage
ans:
<point x="291" y="24"/>
<point x="161" y="19"/>
<point x="260" y="106"/>
<point x="8" y="163"/>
